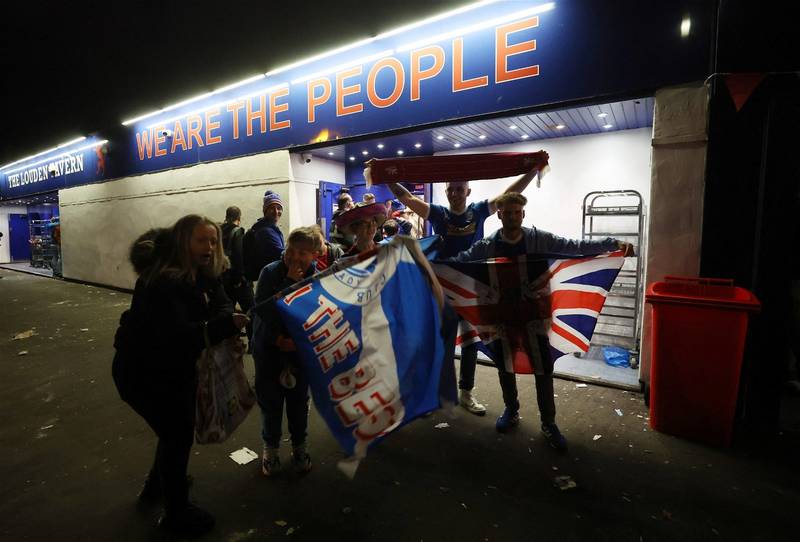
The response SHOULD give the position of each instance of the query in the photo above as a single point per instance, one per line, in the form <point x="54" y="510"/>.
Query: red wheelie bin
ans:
<point x="699" y="331"/>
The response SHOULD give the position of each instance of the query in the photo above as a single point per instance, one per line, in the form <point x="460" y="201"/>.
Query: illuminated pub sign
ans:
<point x="77" y="162"/>
<point x="491" y="57"/>
<point x="485" y="58"/>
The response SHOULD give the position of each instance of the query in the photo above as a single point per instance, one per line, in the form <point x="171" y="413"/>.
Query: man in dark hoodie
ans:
<point x="237" y="287"/>
<point x="263" y="243"/>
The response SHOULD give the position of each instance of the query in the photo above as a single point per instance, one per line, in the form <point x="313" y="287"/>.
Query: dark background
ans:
<point x="74" y="68"/>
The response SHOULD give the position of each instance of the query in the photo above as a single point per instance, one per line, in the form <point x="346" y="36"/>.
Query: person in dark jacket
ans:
<point x="267" y="238"/>
<point x="344" y="203"/>
<point x="514" y="240"/>
<point x="362" y="222"/>
<point x="328" y="253"/>
<point x="178" y="307"/>
<point x="279" y="379"/>
<point x="237" y="287"/>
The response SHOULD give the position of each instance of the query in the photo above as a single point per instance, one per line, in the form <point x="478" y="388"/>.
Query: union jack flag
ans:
<point x="526" y="313"/>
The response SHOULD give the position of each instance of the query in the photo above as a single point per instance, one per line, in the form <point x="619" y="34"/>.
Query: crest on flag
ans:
<point x="368" y="335"/>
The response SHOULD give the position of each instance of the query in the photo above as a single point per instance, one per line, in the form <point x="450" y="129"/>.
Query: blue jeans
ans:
<point x="271" y="399"/>
<point x="544" y="394"/>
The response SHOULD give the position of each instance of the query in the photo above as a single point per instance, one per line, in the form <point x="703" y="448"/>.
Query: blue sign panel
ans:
<point x="77" y="164"/>
<point x="490" y="58"/>
<point x="498" y="57"/>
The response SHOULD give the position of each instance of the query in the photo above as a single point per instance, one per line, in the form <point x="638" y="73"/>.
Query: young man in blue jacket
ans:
<point x="514" y="240"/>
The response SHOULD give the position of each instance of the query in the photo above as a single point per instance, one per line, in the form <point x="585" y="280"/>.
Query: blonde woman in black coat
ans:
<point x="178" y="306"/>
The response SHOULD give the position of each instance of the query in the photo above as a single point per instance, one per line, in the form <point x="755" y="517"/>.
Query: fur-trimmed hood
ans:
<point x="151" y="247"/>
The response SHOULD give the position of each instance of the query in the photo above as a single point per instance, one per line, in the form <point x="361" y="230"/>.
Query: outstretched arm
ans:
<point x="410" y="200"/>
<point x="517" y="186"/>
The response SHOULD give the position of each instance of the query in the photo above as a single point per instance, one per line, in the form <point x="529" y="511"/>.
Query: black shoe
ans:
<point x="554" y="436"/>
<point x="150" y="494"/>
<point x="190" y="521"/>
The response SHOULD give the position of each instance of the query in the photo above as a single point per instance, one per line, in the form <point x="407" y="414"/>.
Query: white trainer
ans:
<point x="468" y="401"/>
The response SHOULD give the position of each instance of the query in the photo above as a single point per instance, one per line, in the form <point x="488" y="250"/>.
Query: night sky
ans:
<point x="79" y="67"/>
<point x="74" y="68"/>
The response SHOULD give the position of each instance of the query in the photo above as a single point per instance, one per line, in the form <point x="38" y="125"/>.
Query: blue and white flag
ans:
<point x="368" y="334"/>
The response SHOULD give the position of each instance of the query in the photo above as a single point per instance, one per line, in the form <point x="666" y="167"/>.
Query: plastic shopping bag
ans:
<point x="616" y="356"/>
<point x="224" y="395"/>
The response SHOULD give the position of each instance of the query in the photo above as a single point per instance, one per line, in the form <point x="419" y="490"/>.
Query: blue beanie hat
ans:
<point x="271" y="198"/>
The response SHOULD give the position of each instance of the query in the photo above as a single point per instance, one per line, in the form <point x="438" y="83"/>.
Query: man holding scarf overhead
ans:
<point x="460" y="226"/>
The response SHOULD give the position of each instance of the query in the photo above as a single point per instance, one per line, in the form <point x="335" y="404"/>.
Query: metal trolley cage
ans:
<point x="619" y="214"/>
<point x="43" y="250"/>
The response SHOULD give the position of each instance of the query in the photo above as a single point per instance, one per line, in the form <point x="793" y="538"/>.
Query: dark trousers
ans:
<point x="242" y="294"/>
<point x="168" y="407"/>
<point x="544" y="394"/>
<point x="271" y="398"/>
<point x="466" y="369"/>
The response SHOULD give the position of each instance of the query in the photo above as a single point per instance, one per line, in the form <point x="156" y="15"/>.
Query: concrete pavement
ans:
<point x="73" y="456"/>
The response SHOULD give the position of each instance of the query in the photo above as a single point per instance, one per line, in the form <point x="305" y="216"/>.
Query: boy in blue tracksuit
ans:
<point x="279" y="378"/>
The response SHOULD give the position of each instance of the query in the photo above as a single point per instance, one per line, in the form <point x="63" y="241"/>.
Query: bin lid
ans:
<point x="720" y="293"/>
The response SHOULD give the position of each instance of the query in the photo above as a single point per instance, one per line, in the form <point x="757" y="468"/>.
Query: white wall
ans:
<point x="100" y="221"/>
<point x="608" y="161"/>
<point x="306" y="181"/>
<point x="676" y="221"/>
<point x="5" y="242"/>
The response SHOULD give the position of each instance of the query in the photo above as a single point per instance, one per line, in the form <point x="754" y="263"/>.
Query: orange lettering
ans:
<point x="210" y="138"/>
<point x="459" y="83"/>
<point x="193" y="125"/>
<point x="159" y="139"/>
<point x="275" y="108"/>
<point x="144" y="142"/>
<point x="313" y="100"/>
<point x="177" y="137"/>
<point x="261" y="115"/>
<point x="399" y="82"/>
<point x="418" y="74"/>
<point x="234" y="108"/>
<point x="342" y="91"/>
<point x="503" y="50"/>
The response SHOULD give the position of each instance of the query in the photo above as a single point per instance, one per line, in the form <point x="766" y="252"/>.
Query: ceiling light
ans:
<point x="352" y="158"/>
<point x="365" y="153"/>
<point x="330" y="153"/>
<point x="67" y="153"/>
<point x="602" y="115"/>
<point x="400" y="152"/>
<point x="456" y="145"/>
<point x="380" y="145"/>
<point x="686" y="27"/>
<point x="560" y="126"/>
<point x="483" y="24"/>
<point x="607" y="126"/>
<point x="440" y="137"/>
<point x="417" y="145"/>
<point x="194" y="99"/>
<point x="351" y="64"/>
<point x="482" y="136"/>
<point x="170" y="120"/>
<point x="386" y="34"/>
<point x="61" y="146"/>
<point x="512" y="127"/>
<point x="525" y="136"/>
